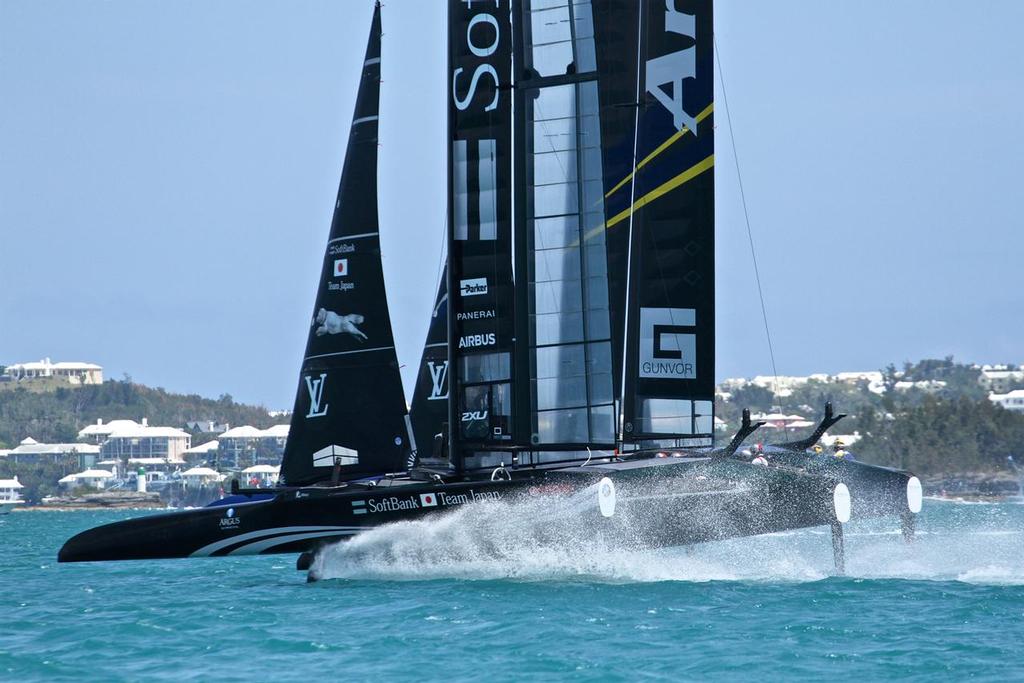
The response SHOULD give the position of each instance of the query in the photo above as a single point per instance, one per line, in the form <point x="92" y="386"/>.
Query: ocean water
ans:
<point x="457" y="599"/>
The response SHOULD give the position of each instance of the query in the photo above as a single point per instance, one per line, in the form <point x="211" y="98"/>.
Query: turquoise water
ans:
<point x="438" y="601"/>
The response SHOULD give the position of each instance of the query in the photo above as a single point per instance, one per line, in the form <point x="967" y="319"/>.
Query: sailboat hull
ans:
<point x="661" y="502"/>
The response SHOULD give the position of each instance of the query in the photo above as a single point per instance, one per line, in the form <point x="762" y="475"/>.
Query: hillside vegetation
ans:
<point x="58" y="415"/>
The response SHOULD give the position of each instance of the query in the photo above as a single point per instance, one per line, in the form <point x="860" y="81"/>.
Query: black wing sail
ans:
<point x="430" y="397"/>
<point x="350" y="413"/>
<point x="670" y="344"/>
<point x="481" y="333"/>
<point x="567" y="85"/>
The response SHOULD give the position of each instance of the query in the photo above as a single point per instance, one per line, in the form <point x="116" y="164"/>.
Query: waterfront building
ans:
<point x="71" y="372"/>
<point x="999" y="378"/>
<point x="203" y="454"/>
<point x="143" y="441"/>
<point x="96" y="479"/>
<point x="262" y="476"/>
<point x="207" y="427"/>
<point x="246" y="445"/>
<point x="100" y="432"/>
<point x="30" y="451"/>
<point x="200" y="476"/>
<point x="1012" y="400"/>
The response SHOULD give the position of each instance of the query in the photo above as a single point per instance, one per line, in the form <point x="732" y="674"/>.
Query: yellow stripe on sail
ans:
<point x="661" y="148"/>
<point x="685" y="176"/>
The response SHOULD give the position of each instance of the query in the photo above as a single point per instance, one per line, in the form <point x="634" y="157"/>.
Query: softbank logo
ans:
<point x="675" y="68"/>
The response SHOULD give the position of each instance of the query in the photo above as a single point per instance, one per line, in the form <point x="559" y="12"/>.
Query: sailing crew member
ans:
<point x="839" y="450"/>
<point x="817" y="449"/>
<point x="759" y="457"/>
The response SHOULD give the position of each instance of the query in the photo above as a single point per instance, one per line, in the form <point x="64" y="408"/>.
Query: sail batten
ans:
<point x="349" y="419"/>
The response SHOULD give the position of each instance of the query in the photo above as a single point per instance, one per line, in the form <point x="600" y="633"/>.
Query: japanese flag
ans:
<point x="428" y="500"/>
<point x="340" y="267"/>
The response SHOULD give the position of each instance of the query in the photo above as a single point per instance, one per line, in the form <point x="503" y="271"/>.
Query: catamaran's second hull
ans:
<point x="659" y="502"/>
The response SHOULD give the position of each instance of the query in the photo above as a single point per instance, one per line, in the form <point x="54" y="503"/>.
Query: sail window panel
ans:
<point x="567" y="360"/>
<point x="556" y="200"/>
<point x="556" y="264"/>
<point x="592" y="165"/>
<point x="563" y="426"/>
<point x="484" y="367"/>
<point x="597" y="292"/>
<point x="551" y="26"/>
<point x="589" y="104"/>
<point x="703" y="417"/>
<point x="596" y="262"/>
<point x="550" y="168"/>
<point x="554" y="135"/>
<point x="556" y="232"/>
<point x="561" y="392"/>
<point x="536" y="5"/>
<point x="583" y="20"/>
<point x="593" y="228"/>
<point x="558" y="296"/>
<point x="589" y="131"/>
<point x="600" y="388"/>
<point x="593" y="196"/>
<point x="554" y="102"/>
<point x="599" y="324"/>
<point x="602" y="424"/>
<point x="666" y="416"/>
<point x="552" y="59"/>
<point x="558" y="328"/>
<point x="586" y="58"/>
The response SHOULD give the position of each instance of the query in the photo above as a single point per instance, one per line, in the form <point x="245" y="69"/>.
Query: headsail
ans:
<point x="350" y="414"/>
<point x="430" y="397"/>
<point x="670" y="346"/>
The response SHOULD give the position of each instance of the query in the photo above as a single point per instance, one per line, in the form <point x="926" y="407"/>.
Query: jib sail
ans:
<point x="480" y="228"/>
<point x="350" y="416"/>
<point x="430" y="397"/>
<point x="669" y="373"/>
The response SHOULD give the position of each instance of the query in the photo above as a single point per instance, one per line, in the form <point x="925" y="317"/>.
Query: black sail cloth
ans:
<point x="350" y="413"/>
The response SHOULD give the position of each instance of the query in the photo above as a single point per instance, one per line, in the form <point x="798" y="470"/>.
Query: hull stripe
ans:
<point x="258" y="547"/>
<point x="211" y="548"/>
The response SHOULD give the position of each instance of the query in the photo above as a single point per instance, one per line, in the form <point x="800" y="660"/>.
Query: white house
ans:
<point x="999" y="378"/>
<point x="200" y="476"/>
<point x="143" y="441"/>
<point x="1013" y="400"/>
<point x="31" y="451"/>
<point x="97" y="479"/>
<point x="101" y="431"/>
<point x="247" y="445"/>
<point x="203" y="453"/>
<point x="71" y="372"/>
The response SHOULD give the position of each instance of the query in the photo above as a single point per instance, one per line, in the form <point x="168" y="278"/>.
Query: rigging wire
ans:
<point x="746" y="218"/>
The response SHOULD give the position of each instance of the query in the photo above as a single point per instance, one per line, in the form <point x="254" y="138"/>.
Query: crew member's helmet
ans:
<point x="817" y="448"/>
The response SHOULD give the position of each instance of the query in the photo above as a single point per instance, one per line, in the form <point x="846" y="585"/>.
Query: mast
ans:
<point x="350" y="416"/>
<point x="480" y="329"/>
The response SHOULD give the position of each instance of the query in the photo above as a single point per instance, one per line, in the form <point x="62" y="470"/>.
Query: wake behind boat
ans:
<point x="571" y="348"/>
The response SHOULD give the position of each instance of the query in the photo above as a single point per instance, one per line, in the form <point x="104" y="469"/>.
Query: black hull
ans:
<point x="660" y="502"/>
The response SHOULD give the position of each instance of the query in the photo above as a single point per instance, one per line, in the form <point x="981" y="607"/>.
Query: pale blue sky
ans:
<point x="168" y="170"/>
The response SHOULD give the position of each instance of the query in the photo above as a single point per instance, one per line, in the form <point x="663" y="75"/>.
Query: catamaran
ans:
<point x="571" y="347"/>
